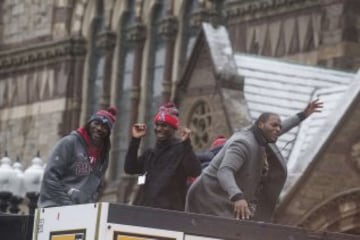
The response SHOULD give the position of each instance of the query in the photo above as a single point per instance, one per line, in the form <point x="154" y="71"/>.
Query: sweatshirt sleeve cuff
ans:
<point x="301" y="116"/>
<point x="237" y="197"/>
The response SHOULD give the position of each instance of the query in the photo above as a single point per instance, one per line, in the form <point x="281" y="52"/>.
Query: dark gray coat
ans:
<point x="236" y="169"/>
<point x="69" y="167"/>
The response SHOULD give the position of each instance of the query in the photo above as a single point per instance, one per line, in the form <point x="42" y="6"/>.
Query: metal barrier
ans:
<point x="104" y="221"/>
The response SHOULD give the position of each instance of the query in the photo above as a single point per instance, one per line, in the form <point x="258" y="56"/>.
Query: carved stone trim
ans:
<point x="197" y="17"/>
<point x="136" y="33"/>
<point x="168" y="27"/>
<point x="41" y="54"/>
<point x="106" y="40"/>
<point x="236" y="9"/>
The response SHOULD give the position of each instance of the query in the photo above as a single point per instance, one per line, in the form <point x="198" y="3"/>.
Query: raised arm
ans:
<point x="133" y="163"/>
<point x="312" y="107"/>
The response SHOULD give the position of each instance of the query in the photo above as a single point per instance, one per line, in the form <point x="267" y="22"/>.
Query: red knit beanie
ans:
<point x="170" y="108"/>
<point x="168" y="113"/>
<point x="107" y="117"/>
<point x="219" y="140"/>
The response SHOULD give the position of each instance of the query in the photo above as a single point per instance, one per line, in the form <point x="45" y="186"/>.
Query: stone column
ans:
<point x="76" y="51"/>
<point x="106" y="42"/>
<point x="168" y="29"/>
<point x="136" y="35"/>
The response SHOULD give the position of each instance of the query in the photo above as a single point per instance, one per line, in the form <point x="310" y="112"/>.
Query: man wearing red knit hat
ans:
<point x="76" y="167"/>
<point x="166" y="166"/>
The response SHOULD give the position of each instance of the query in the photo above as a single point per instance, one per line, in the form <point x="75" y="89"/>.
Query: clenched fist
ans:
<point x="184" y="133"/>
<point x="138" y="130"/>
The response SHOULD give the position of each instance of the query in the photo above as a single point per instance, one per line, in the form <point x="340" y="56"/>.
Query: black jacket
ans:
<point x="167" y="167"/>
<point x="206" y="156"/>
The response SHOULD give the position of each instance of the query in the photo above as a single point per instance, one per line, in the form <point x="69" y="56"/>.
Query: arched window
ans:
<point x="123" y="98"/>
<point x="97" y="60"/>
<point x="154" y="86"/>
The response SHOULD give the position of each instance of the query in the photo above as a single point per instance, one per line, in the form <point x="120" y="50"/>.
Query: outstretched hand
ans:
<point x="313" y="106"/>
<point x="242" y="210"/>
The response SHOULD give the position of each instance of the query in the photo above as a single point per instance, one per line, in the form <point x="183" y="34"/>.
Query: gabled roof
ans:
<point x="273" y="85"/>
<point x="320" y="128"/>
<point x="285" y="88"/>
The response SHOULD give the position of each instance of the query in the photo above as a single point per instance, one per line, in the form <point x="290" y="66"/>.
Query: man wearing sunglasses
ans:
<point x="75" y="171"/>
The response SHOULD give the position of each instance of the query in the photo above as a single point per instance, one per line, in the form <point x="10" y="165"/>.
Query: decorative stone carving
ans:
<point x="106" y="40"/>
<point x="197" y="17"/>
<point x="168" y="27"/>
<point x="240" y="8"/>
<point x="136" y="33"/>
<point x="200" y="121"/>
<point x="41" y="53"/>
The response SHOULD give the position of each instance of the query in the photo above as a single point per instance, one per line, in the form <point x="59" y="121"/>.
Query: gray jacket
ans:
<point x="235" y="170"/>
<point x="68" y="168"/>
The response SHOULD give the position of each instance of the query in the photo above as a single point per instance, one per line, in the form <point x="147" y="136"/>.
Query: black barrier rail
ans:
<point x="215" y="227"/>
<point x="16" y="227"/>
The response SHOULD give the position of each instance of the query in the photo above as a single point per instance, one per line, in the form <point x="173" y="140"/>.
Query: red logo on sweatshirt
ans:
<point x="82" y="168"/>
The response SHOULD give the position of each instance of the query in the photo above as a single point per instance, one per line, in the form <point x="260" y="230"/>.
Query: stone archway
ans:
<point x="340" y="213"/>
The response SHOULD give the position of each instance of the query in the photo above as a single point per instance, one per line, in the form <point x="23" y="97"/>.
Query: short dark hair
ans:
<point x="264" y="117"/>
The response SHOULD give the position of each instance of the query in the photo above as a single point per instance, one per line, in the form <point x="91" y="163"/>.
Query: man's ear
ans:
<point x="261" y="125"/>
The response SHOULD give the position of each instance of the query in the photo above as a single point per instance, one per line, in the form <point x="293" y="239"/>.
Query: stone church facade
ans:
<point x="61" y="60"/>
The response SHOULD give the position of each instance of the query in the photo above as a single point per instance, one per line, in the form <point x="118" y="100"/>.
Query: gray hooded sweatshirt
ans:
<point x="69" y="168"/>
